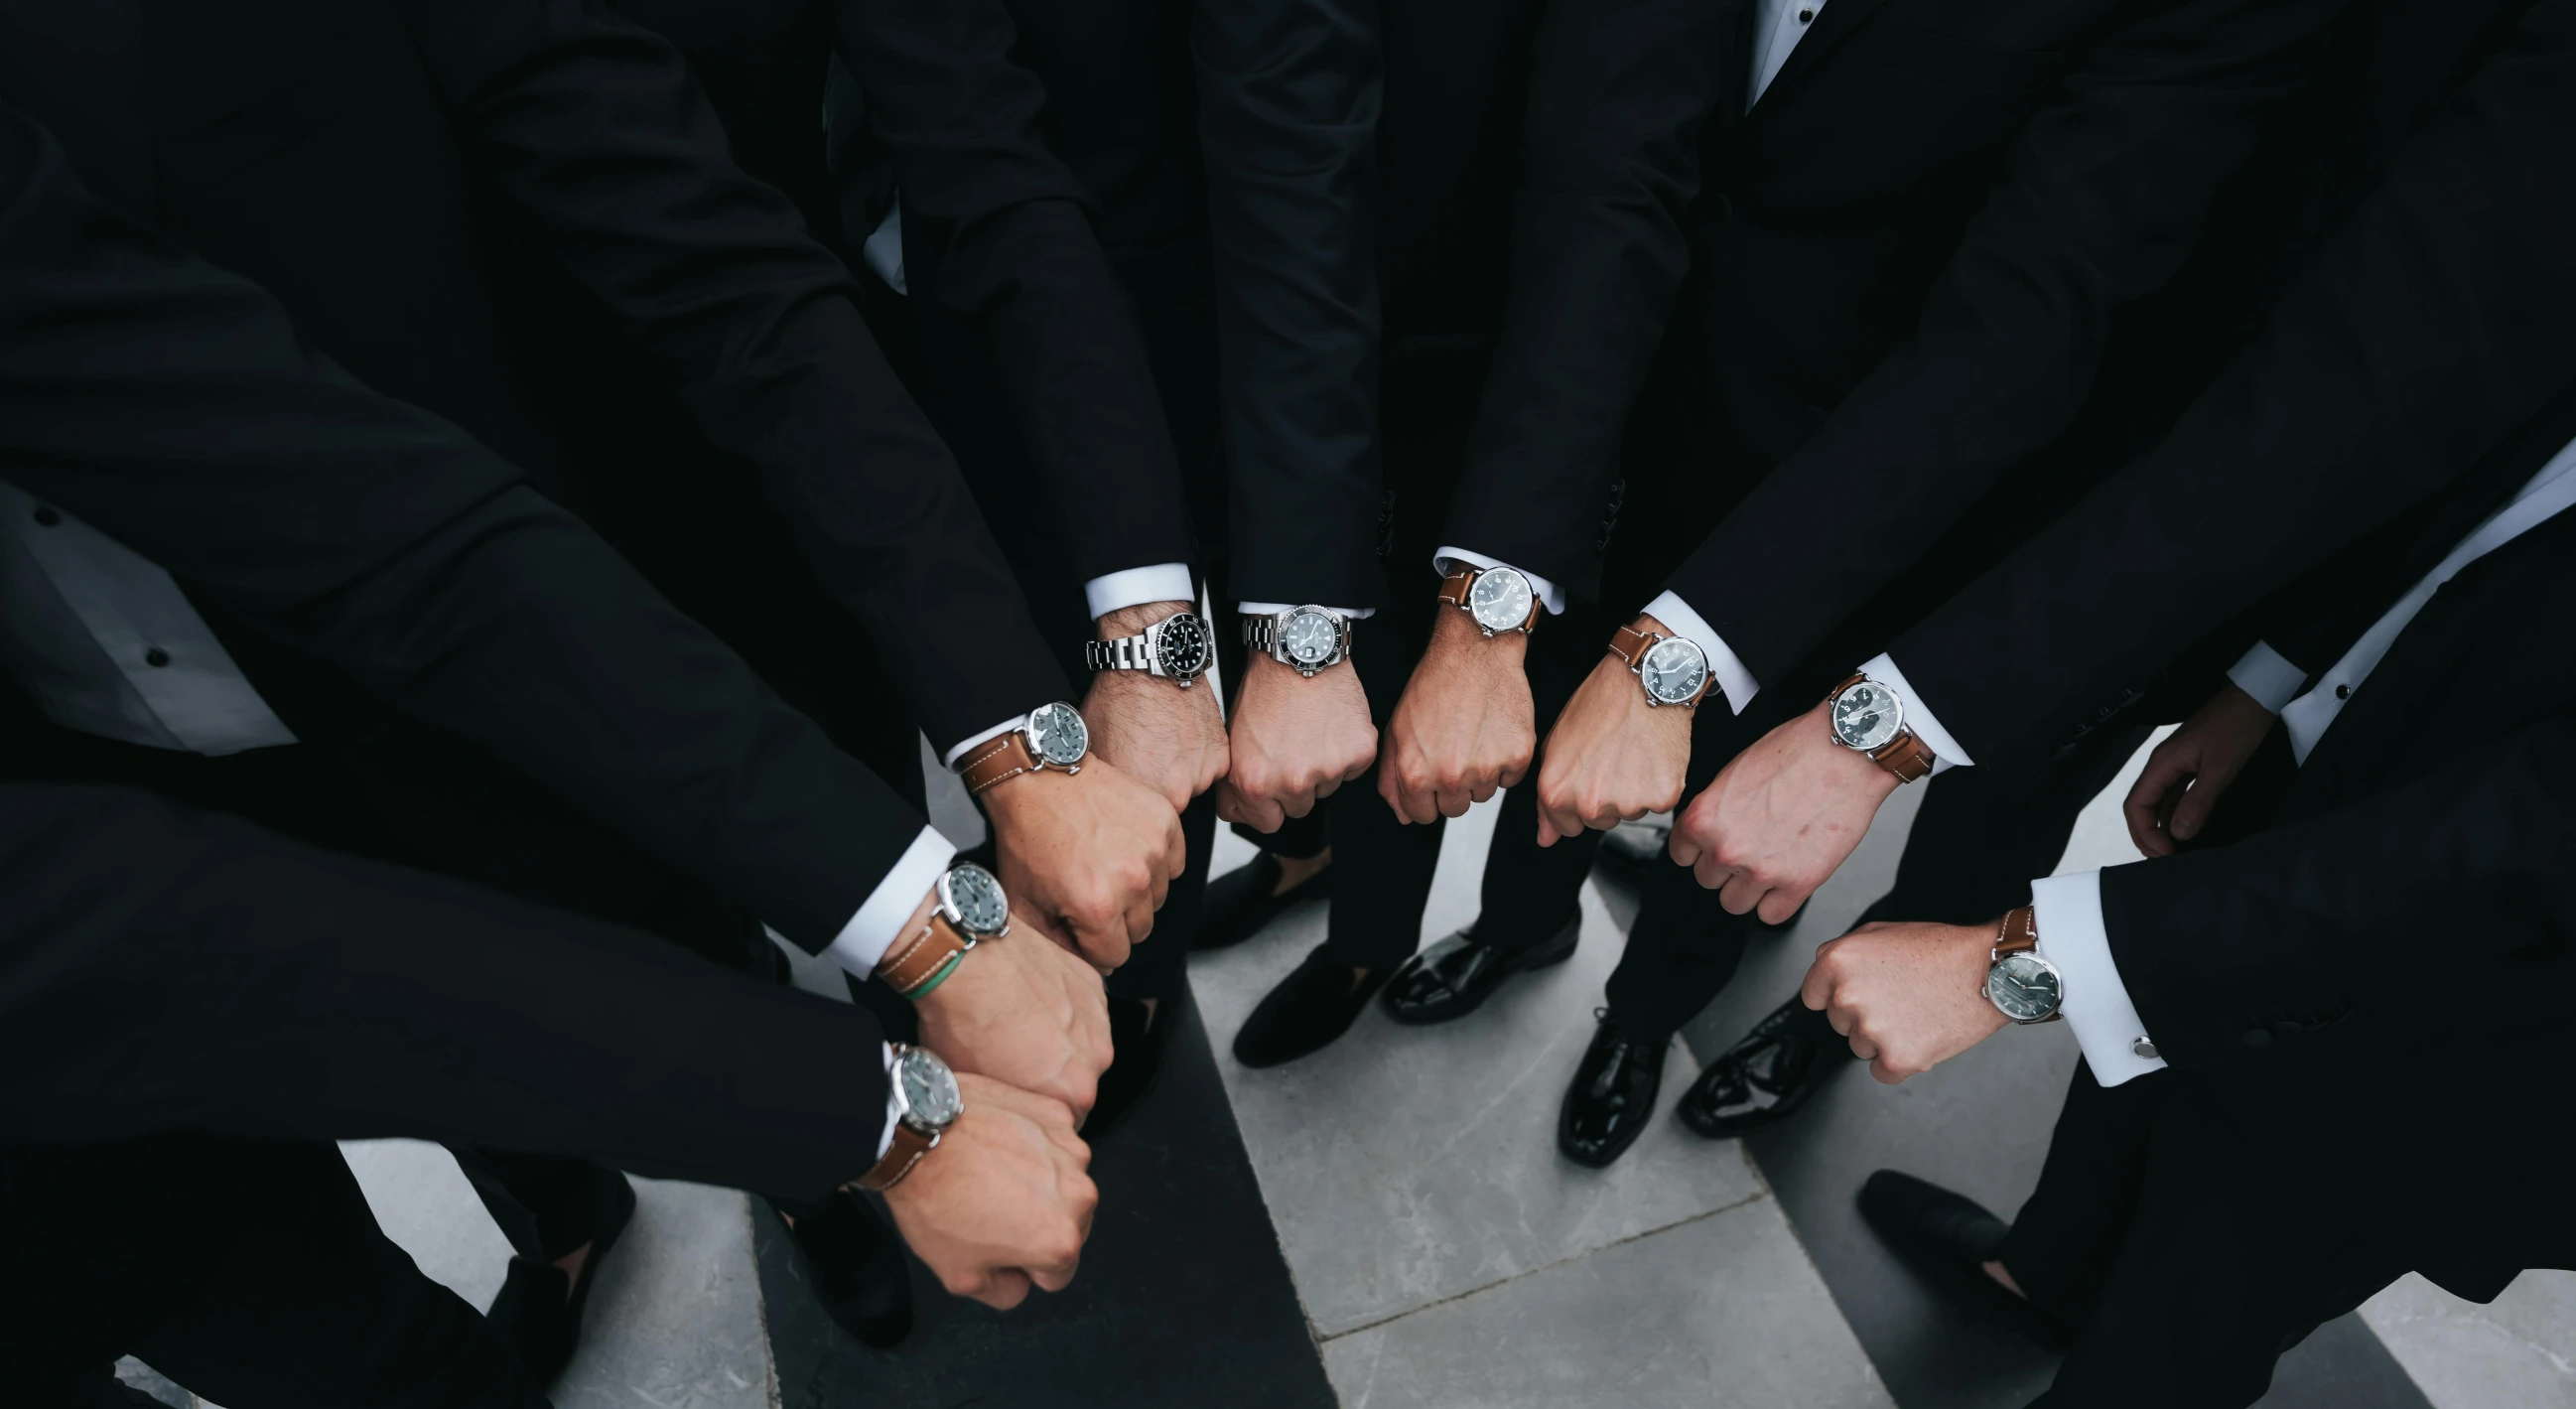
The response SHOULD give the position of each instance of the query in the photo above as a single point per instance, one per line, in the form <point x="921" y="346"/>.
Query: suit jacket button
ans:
<point x="2257" y="1037"/>
<point x="47" y="516"/>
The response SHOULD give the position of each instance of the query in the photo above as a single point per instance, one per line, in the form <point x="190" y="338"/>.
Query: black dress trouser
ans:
<point x="250" y="1271"/>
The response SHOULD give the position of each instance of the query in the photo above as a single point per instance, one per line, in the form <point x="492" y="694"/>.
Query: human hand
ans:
<point x="1612" y="757"/>
<point x="1022" y="1009"/>
<point x="1004" y="1202"/>
<point x="2187" y="773"/>
<point x="1093" y="852"/>
<point x="1295" y="741"/>
<point x="1909" y="996"/>
<point x="1168" y="738"/>
<point x="1464" y="726"/>
<point x="1780" y="817"/>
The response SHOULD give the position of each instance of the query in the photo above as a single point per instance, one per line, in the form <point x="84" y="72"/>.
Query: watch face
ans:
<point x="977" y="900"/>
<point x="1867" y="715"/>
<point x="1309" y="637"/>
<point x="929" y="1089"/>
<point x="2024" y="986"/>
<point x="1673" y="670"/>
<point x="1500" y="600"/>
<point x="1182" y="648"/>
<point x="1057" y="735"/>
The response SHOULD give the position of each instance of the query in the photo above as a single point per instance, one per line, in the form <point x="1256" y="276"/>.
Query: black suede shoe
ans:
<point x="1239" y="903"/>
<point x="1613" y="1095"/>
<point x="1631" y="851"/>
<point x="1950" y="1238"/>
<point x="1456" y="975"/>
<point x="1309" y="1008"/>
<point x="536" y="1314"/>
<point x="855" y="1263"/>
<point x="1764" y="1078"/>
<point x="1136" y="1040"/>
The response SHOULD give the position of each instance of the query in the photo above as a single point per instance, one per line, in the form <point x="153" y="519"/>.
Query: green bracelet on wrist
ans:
<point x="937" y="977"/>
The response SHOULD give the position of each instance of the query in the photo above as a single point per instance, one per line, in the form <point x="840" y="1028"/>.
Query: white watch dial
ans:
<point x="1058" y="735"/>
<point x="1674" y="671"/>
<point x="1500" y="599"/>
<point x="1867" y="715"/>
<point x="1308" y="637"/>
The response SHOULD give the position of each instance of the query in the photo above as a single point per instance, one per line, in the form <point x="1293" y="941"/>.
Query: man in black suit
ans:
<point x="1984" y="830"/>
<point x="192" y="1010"/>
<point x="168" y="405"/>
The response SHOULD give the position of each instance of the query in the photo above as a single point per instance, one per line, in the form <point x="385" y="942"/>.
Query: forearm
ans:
<point x="162" y="970"/>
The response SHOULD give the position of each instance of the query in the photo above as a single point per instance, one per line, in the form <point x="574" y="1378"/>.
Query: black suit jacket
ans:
<point x="1908" y="256"/>
<point x="164" y="971"/>
<point x="172" y="405"/>
<point x="385" y="166"/>
<point x="2416" y="893"/>
<point x="2426" y="350"/>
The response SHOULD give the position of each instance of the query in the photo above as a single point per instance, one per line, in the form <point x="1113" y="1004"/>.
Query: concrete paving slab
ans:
<point x="2518" y="1352"/>
<point x="1723" y="1312"/>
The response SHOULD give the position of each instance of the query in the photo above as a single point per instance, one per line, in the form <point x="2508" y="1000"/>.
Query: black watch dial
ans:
<point x="1182" y="649"/>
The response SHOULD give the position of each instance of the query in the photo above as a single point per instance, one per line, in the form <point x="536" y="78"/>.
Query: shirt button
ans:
<point x="2257" y="1037"/>
<point x="47" y="516"/>
<point x="2144" y="1049"/>
<point x="156" y="657"/>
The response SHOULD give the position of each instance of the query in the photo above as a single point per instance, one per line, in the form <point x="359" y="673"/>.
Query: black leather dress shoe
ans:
<point x="1613" y="1095"/>
<point x="1313" y="1005"/>
<point x="1950" y="1238"/>
<point x="536" y="1314"/>
<point x="1239" y="903"/>
<point x="1631" y="851"/>
<point x="1786" y="1058"/>
<point x="1456" y="975"/>
<point x="1136" y="1040"/>
<point x="855" y="1264"/>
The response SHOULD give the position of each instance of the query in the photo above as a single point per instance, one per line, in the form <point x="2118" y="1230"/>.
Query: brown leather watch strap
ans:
<point x="906" y="1151"/>
<point x="1906" y="756"/>
<point x="1454" y="587"/>
<point x="2019" y="932"/>
<point x="994" y="760"/>
<point x="1848" y="681"/>
<point x="1630" y="644"/>
<point x="919" y="961"/>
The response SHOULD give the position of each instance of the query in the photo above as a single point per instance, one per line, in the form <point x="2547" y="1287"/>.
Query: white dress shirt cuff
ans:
<point x="1946" y="753"/>
<point x="882" y="252"/>
<point x="971" y="740"/>
<point x="894" y="1108"/>
<point x="1732" y="678"/>
<point x="2096" y="1003"/>
<point x="1134" y="587"/>
<point x="2268" y="676"/>
<point x="865" y="939"/>
<point x="1549" y="594"/>
<point x="1275" y="608"/>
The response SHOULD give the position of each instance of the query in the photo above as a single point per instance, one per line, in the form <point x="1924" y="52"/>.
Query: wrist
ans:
<point x="1132" y="621"/>
<point x="913" y="929"/>
<point x="1455" y="631"/>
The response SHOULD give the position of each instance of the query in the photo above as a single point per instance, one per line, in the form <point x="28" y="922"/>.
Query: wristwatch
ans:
<point x="1497" y="599"/>
<point x="967" y="908"/>
<point x="1310" y="638"/>
<point x="1053" y="736"/>
<point x="1177" y="648"/>
<point x="1868" y="716"/>
<point x="2023" y="986"/>
<point x="925" y="1095"/>
<point x="1672" y="670"/>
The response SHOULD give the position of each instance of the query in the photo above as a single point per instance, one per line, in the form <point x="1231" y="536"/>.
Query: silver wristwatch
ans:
<point x="1177" y="648"/>
<point x="2024" y="987"/>
<point x="1308" y="638"/>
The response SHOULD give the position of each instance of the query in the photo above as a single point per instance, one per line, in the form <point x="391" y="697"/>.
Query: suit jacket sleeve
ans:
<point x="2463" y="872"/>
<point x="2098" y="202"/>
<point x="2427" y="336"/>
<point x="592" y="125"/>
<point x="1610" y="163"/>
<point x="1013" y="251"/>
<point x="161" y="970"/>
<point x="1289" y="93"/>
<point x="171" y="405"/>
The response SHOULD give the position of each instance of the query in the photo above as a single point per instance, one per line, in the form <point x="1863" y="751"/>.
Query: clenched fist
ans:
<point x="1464" y="727"/>
<point x="1093" y="852"/>
<point x="1612" y="757"/>
<point x="1295" y="740"/>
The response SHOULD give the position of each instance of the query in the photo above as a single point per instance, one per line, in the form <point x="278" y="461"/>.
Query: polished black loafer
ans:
<point x="1239" y="903"/>
<point x="1456" y="975"/>
<point x="536" y="1314"/>
<point x="1784" y="1060"/>
<point x="1315" y="1004"/>
<point x="1137" y="1038"/>
<point x="1950" y="1238"/>
<point x="1612" y="1096"/>
<point x="855" y="1264"/>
